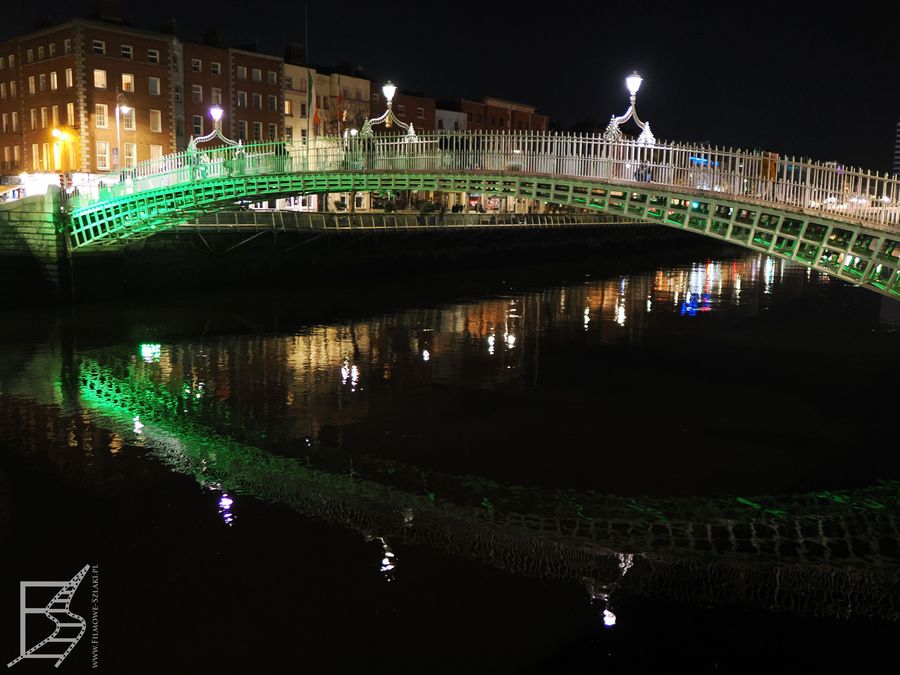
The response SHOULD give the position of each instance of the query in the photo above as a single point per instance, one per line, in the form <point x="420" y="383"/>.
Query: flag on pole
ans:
<point x="313" y="108"/>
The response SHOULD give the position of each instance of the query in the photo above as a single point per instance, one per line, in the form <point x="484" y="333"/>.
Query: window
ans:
<point x="12" y="89"/>
<point x="288" y="106"/>
<point x="29" y="56"/>
<point x="242" y="72"/>
<point x="152" y="56"/>
<point x="44" y="119"/>
<point x="70" y="114"/>
<point x="99" y="46"/>
<point x="102" y="155"/>
<point x="242" y="130"/>
<point x="2" y="90"/>
<point x="273" y="77"/>
<point x="242" y="99"/>
<point x="127" y="82"/>
<point x="128" y="120"/>
<point x="257" y="101"/>
<point x="303" y="135"/>
<point x="257" y="75"/>
<point x="42" y="82"/>
<point x="197" y="93"/>
<point x="99" y="78"/>
<point x="273" y="103"/>
<point x="215" y="68"/>
<point x="54" y="116"/>
<point x="178" y="92"/>
<point x="101" y="116"/>
<point x="17" y="157"/>
<point x="325" y="102"/>
<point x="216" y="95"/>
<point x="196" y="65"/>
<point x="401" y="109"/>
<point x="374" y="98"/>
<point x="130" y="154"/>
<point x="440" y="124"/>
<point x="4" y="127"/>
<point x="288" y="82"/>
<point x="40" y="53"/>
<point x="154" y="86"/>
<point x="69" y="78"/>
<point x="156" y="121"/>
<point x="54" y="82"/>
<point x="420" y="113"/>
<point x="257" y="131"/>
<point x="179" y="126"/>
<point x="52" y="49"/>
<point x="33" y="119"/>
<point x="14" y="119"/>
<point x="127" y="52"/>
<point x="273" y="132"/>
<point x="155" y="152"/>
<point x="289" y="134"/>
<point x="302" y="85"/>
<point x="2" y="62"/>
<point x="67" y="46"/>
<point x="12" y="60"/>
<point x="35" y="157"/>
<point x="31" y="84"/>
<point x="198" y="125"/>
<point x="302" y="110"/>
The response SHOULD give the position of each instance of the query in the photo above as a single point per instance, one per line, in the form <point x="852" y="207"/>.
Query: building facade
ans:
<point x="62" y="88"/>
<point x="495" y="114"/>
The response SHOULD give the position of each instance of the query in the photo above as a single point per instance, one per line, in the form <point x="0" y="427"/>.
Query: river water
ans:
<point x="681" y="465"/>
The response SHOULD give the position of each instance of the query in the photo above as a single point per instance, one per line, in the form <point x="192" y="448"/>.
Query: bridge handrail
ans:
<point x="825" y="188"/>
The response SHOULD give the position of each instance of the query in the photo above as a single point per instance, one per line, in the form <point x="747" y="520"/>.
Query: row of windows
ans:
<point x="197" y="94"/>
<point x="97" y="47"/>
<point x="125" y="51"/>
<point x="257" y="101"/>
<point x="129" y="155"/>
<point x="255" y="73"/>
<point x="243" y="127"/>
<point x="214" y="66"/>
<point x="49" y="118"/>
<point x="102" y="118"/>
<point x="14" y="156"/>
<point x="128" y="82"/>
<point x="38" y="84"/>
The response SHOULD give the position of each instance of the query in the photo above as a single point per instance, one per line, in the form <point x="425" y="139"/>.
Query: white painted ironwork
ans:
<point x="613" y="132"/>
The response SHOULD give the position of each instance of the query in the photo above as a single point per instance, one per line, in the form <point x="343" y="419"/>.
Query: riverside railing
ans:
<point x="827" y="188"/>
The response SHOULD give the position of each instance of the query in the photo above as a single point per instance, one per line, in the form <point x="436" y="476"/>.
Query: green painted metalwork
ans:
<point x="860" y="244"/>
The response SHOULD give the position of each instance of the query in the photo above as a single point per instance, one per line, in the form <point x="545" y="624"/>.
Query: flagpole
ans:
<point x="308" y="92"/>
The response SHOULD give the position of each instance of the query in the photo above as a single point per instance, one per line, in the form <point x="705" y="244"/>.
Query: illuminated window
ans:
<point x="128" y="120"/>
<point x="156" y="121"/>
<point x="216" y="95"/>
<point x="70" y="81"/>
<point x="130" y="154"/>
<point x="99" y="78"/>
<point x="127" y="82"/>
<point x="101" y="116"/>
<point x="54" y="82"/>
<point x="102" y="155"/>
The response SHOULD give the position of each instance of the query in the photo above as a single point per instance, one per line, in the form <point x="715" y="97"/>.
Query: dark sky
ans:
<point x="784" y="77"/>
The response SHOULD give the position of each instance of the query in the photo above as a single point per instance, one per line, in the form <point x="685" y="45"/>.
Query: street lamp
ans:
<point x="388" y="118"/>
<point x="613" y="133"/>
<point x="216" y="113"/>
<point x="121" y="105"/>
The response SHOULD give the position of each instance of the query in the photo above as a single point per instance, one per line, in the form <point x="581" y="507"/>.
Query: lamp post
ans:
<point x="388" y="118"/>
<point x="216" y="113"/>
<point x="121" y="105"/>
<point x="613" y="133"/>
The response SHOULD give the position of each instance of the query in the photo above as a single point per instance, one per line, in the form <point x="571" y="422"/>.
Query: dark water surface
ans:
<point x="475" y="476"/>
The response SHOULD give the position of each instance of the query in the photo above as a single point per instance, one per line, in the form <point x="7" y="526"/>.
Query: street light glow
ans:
<point x="389" y="89"/>
<point x="216" y="113"/>
<point x="125" y="108"/>
<point x="633" y="82"/>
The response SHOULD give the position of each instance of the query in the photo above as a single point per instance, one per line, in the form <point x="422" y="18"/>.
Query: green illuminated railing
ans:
<point x="842" y="222"/>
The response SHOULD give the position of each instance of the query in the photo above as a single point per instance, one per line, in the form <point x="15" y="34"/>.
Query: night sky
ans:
<point x="771" y="76"/>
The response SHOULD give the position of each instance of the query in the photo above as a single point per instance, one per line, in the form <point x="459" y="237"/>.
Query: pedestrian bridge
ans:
<point x="842" y="221"/>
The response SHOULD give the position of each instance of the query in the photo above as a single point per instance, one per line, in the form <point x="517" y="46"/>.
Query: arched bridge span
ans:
<point x="845" y="223"/>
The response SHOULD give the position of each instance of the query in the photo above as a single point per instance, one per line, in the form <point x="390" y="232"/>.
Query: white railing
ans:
<point x="844" y="194"/>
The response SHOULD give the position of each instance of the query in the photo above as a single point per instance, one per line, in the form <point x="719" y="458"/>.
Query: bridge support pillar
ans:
<point x="34" y="254"/>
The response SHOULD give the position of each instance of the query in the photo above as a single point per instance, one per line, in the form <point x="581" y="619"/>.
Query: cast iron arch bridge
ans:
<point x="844" y="222"/>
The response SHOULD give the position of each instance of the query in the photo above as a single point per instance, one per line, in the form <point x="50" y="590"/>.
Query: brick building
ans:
<point x="248" y="86"/>
<point x="59" y="88"/>
<point x="409" y="108"/>
<point x="495" y="114"/>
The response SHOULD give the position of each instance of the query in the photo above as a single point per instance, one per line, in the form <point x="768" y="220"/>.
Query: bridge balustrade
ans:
<point x="817" y="187"/>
